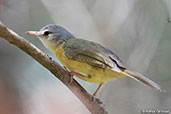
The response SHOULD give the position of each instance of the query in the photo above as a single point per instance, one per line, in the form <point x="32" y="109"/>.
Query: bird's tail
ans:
<point x="139" y="77"/>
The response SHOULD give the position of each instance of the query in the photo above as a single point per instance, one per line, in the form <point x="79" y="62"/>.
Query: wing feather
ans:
<point x="91" y="53"/>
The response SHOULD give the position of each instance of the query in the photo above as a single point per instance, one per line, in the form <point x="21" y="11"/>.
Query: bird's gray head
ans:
<point x="51" y="34"/>
<point x="54" y="32"/>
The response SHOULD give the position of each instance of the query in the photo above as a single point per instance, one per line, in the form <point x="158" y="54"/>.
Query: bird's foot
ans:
<point x="75" y="73"/>
<point x="72" y="76"/>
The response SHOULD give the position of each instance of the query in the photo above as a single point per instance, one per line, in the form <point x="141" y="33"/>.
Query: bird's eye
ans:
<point x="46" y="33"/>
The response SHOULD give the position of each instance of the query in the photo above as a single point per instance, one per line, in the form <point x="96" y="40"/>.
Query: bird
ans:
<point x="85" y="59"/>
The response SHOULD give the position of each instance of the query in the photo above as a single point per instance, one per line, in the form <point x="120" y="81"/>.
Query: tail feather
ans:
<point x="139" y="77"/>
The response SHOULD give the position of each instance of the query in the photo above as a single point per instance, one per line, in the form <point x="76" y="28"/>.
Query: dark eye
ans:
<point x="46" y="33"/>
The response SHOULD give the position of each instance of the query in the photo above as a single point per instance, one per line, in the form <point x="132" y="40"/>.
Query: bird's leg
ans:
<point x="94" y="94"/>
<point x="72" y="75"/>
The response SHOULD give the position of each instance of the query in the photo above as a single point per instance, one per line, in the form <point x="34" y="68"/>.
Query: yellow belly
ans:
<point x="91" y="73"/>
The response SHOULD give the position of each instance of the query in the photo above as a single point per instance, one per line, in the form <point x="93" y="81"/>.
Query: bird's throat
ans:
<point x="51" y="45"/>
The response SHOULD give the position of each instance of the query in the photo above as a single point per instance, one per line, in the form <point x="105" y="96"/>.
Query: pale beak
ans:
<point x="33" y="33"/>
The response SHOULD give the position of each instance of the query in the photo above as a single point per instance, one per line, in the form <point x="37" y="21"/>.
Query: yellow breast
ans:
<point x="91" y="73"/>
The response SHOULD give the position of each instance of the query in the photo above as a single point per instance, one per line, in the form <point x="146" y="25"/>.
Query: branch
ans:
<point x="94" y="105"/>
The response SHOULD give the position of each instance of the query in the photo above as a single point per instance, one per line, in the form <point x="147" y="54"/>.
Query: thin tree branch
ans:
<point x="94" y="105"/>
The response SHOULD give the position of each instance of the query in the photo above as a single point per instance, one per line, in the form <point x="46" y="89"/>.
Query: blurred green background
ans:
<point x="137" y="30"/>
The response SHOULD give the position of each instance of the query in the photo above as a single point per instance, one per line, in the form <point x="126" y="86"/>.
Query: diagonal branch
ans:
<point x="94" y="105"/>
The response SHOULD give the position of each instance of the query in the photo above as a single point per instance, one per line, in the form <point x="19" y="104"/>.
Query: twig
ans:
<point x="94" y="105"/>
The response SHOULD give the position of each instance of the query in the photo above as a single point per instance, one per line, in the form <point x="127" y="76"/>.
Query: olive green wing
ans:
<point x="91" y="53"/>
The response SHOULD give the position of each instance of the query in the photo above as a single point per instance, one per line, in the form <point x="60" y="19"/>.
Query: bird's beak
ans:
<point x="33" y="33"/>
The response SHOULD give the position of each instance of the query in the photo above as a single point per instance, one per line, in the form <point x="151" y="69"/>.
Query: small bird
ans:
<point x="85" y="59"/>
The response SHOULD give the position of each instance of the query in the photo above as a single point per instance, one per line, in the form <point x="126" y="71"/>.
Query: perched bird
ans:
<point x="87" y="60"/>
